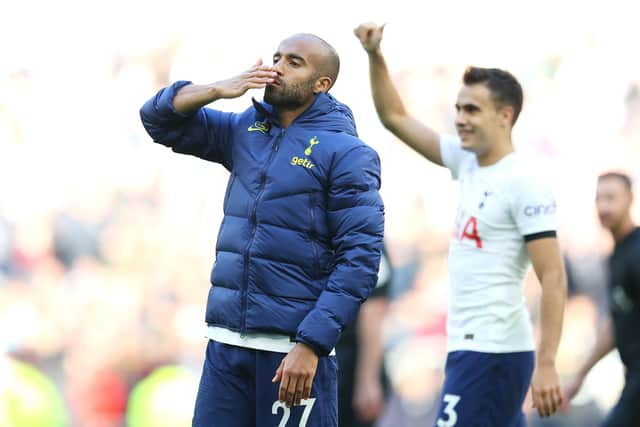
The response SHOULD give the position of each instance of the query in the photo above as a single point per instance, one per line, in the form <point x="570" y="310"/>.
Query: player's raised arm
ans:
<point x="192" y="97"/>
<point x="174" y="116"/>
<point x="389" y="106"/>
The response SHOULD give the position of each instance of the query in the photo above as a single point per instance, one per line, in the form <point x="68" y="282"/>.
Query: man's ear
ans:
<point x="506" y="114"/>
<point x="322" y="84"/>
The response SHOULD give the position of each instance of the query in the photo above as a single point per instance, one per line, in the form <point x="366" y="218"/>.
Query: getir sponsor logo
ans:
<point x="303" y="161"/>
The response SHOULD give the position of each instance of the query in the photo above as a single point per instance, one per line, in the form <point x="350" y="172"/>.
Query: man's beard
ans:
<point x="285" y="97"/>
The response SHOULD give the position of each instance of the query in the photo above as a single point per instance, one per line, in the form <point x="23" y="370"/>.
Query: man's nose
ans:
<point x="277" y="67"/>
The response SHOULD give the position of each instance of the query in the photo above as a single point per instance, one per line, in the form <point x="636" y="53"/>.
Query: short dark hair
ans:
<point x="504" y="87"/>
<point x="330" y="63"/>
<point x="623" y="177"/>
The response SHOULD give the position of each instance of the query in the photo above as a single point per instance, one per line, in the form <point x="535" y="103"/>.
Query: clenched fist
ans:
<point x="370" y="36"/>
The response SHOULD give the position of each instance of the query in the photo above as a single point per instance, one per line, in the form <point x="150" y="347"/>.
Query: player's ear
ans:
<point x="322" y="84"/>
<point x="506" y="116"/>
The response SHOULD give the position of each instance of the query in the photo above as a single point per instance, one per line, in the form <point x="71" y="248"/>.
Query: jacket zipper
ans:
<point x="247" y="248"/>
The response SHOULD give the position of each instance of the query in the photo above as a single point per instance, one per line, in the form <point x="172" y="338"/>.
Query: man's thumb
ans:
<point x="278" y="376"/>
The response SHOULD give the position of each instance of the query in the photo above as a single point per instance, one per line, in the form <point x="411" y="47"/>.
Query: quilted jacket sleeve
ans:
<point x="204" y="133"/>
<point x="356" y="221"/>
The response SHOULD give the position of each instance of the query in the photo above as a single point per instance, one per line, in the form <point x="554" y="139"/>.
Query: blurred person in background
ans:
<point x="614" y="198"/>
<point x="300" y="243"/>
<point x="580" y="320"/>
<point x="28" y="397"/>
<point x="506" y="220"/>
<point x="162" y="399"/>
<point x="362" y="382"/>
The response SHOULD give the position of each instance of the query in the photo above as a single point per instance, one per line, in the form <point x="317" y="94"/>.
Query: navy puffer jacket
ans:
<point x="299" y="246"/>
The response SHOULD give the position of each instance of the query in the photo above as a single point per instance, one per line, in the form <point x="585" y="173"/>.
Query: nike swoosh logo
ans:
<point x="259" y="126"/>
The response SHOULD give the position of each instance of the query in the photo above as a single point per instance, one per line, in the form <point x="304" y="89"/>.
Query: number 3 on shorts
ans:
<point x="451" y="400"/>
<point x="286" y="412"/>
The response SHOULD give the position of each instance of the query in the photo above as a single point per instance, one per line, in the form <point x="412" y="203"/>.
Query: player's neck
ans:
<point x="623" y="230"/>
<point x="497" y="152"/>
<point x="287" y="116"/>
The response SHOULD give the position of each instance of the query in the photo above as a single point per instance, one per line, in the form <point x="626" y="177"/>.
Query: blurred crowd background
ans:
<point x="107" y="240"/>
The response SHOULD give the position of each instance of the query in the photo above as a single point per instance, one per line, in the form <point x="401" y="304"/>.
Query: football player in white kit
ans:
<point x="505" y="222"/>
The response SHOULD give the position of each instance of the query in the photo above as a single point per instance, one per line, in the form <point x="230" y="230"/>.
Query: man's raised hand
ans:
<point x="256" y="77"/>
<point x="370" y="36"/>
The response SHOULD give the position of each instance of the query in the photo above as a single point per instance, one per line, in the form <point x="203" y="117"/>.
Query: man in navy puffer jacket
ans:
<point x="299" y="247"/>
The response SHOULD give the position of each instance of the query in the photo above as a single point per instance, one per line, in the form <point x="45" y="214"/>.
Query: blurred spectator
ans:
<point x="362" y="381"/>
<point x="28" y="398"/>
<point x="619" y="330"/>
<point x="163" y="399"/>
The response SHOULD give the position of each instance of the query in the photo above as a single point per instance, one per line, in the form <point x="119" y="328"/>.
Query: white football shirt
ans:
<point x="499" y="206"/>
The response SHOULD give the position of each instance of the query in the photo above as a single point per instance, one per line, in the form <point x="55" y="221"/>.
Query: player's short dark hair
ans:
<point x="330" y="64"/>
<point x="621" y="176"/>
<point x="504" y="87"/>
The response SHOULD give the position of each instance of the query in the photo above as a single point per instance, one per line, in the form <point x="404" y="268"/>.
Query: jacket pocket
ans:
<point x="315" y="266"/>
<point x="227" y="193"/>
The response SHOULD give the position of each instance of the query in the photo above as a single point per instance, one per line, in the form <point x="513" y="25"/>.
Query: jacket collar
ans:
<point x="321" y="105"/>
<point x="325" y="110"/>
